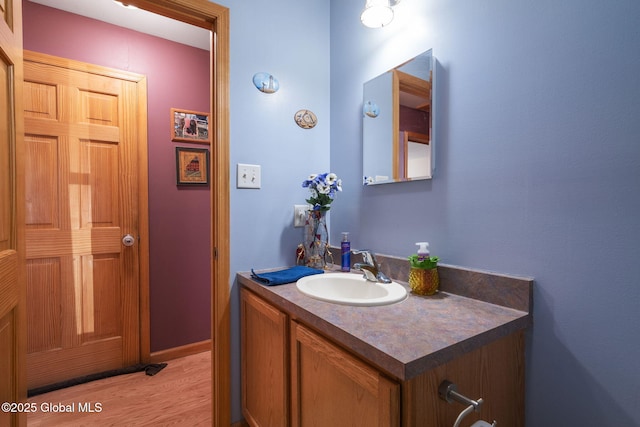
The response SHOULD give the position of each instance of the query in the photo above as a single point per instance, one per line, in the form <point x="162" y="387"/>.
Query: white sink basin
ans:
<point x="350" y="289"/>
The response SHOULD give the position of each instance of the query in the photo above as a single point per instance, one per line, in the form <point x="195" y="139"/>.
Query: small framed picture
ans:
<point x="192" y="166"/>
<point x="189" y="126"/>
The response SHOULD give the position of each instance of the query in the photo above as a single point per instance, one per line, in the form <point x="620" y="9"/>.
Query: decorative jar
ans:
<point x="424" y="281"/>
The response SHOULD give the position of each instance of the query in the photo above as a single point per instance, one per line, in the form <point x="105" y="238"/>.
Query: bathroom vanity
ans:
<point x="310" y="362"/>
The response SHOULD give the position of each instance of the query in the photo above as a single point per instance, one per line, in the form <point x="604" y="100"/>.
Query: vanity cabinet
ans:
<point x="293" y="375"/>
<point x="264" y="361"/>
<point x="330" y="387"/>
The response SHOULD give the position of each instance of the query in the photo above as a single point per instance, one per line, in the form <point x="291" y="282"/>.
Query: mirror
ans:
<point x="397" y="126"/>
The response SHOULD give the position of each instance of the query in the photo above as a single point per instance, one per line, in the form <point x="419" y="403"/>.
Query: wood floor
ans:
<point x="179" y="395"/>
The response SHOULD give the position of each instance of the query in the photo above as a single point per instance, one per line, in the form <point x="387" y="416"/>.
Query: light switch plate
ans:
<point x="248" y="176"/>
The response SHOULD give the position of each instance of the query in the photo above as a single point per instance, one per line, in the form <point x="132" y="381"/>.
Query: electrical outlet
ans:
<point x="248" y="176"/>
<point x="299" y="215"/>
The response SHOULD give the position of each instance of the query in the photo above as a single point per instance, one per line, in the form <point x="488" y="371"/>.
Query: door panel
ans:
<point x="42" y="150"/>
<point x="81" y="198"/>
<point x="48" y="336"/>
<point x="5" y="163"/>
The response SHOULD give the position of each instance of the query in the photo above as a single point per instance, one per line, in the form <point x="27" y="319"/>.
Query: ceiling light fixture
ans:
<point x="378" y="13"/>
<point x="123" y="4"/>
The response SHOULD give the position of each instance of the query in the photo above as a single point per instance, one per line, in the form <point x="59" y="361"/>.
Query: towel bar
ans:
<point x="447" y="392"/>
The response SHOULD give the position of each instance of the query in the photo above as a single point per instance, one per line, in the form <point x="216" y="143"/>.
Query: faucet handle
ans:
<point x="370" y="272"/>
<point x="367" y="256"/>
<point x="370" y="267"/>
<point x="360" y="251"/>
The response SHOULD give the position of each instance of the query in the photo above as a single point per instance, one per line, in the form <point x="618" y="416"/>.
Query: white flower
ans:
<point x="323" y="188"/>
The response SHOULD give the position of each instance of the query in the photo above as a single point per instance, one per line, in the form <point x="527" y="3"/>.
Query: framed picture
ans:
<point x="192" y="166"/>
<point x="189" y="126"/>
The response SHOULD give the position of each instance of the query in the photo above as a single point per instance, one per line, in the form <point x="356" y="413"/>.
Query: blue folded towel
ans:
<point x="287" y="275"/>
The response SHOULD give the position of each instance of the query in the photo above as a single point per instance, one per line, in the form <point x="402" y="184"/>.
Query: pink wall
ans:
<point x="414" y="120"/>
<point x="179" y="219"/>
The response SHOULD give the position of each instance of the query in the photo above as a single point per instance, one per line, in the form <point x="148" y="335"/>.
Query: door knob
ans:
<point x="128" y="240"/>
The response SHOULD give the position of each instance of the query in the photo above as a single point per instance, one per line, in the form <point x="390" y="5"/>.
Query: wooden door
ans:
<point x="82" y="197"/>
<point x="12" y="295"/>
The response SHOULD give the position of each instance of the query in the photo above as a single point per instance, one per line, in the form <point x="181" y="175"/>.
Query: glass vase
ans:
<point x="316" y="239"/>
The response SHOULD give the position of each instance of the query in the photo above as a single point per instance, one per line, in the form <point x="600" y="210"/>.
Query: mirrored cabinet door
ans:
<point x="398" y="110"/>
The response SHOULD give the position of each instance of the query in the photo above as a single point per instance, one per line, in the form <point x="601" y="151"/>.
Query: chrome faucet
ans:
<point x="370" y="267"/>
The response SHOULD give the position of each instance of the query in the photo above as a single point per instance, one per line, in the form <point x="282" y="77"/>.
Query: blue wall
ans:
<point x="538" y="166"/>
<point x="538" y="173"/>
<point x="291" y="41"/>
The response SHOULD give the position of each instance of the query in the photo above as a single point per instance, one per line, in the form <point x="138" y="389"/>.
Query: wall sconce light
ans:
<point x="378" y="13"/>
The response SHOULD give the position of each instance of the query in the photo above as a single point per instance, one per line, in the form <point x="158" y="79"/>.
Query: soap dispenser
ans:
<point x="423" y="250"/>
<point x="345" y="252"/>
<point x="423" y="275"/>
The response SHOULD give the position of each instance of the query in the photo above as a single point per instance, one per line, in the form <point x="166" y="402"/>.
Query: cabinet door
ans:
<point x="265" y="390"/>
<point x="332" y="388"/>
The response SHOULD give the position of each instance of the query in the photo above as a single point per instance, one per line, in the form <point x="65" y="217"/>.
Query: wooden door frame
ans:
<point x="213" y="17"/>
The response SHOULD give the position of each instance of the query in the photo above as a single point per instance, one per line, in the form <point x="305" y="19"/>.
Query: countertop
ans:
<point x="407" y="338"/>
